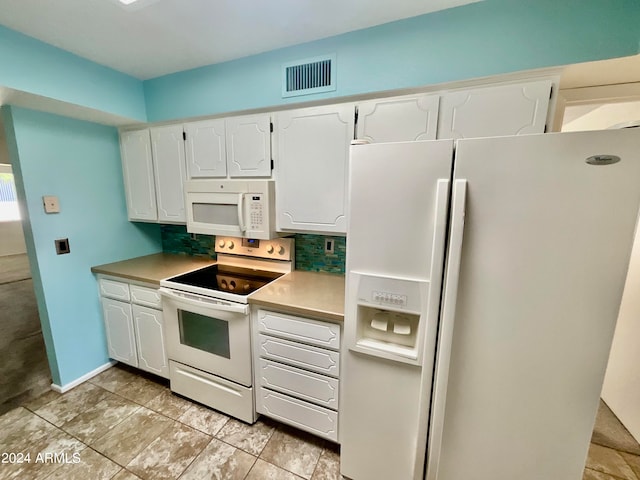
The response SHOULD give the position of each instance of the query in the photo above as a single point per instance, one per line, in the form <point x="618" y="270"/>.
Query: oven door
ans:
<point x="208" y="334"/>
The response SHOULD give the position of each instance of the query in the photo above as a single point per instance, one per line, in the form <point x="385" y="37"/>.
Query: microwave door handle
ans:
<point x="243" y="227"/>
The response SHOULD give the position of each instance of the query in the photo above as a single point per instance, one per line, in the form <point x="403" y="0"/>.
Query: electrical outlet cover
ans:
<point x="51" y="204"/>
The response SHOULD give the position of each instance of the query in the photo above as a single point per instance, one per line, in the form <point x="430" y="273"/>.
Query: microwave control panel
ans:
<point x="256" y="208"/>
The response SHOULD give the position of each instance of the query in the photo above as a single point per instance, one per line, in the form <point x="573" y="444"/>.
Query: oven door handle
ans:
<point x="201" y="301"/>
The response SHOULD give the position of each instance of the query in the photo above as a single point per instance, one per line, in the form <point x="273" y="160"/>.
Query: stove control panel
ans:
<point x="276" y="249"/>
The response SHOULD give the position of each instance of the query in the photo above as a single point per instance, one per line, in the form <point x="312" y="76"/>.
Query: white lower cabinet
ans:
<point x="134" y="325"/>
<point x="119" y="327"/>
<point x="297" y="371"/>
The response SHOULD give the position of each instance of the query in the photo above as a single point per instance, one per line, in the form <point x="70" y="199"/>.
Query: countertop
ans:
<point x="305" y="293"/>
<point x="315" y="294"/>
<point x="153" y="268"/>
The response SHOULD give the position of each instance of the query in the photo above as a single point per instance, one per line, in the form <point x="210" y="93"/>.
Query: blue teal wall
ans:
<point x="32" y="66"/>
<point x="481" y="39"/>
<point x="80" y="163"/>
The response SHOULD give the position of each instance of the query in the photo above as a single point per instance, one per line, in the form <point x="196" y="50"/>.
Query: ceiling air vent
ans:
<point x="313" y="75"/>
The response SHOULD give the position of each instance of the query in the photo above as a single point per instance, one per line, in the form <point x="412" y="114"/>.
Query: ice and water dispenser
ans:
<point x="389" y="317"/>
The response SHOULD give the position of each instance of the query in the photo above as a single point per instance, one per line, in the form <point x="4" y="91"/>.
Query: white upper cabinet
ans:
<point x="495" y="111"/>
<point x="168" y="153"/>
<point x="249" y="146"/>
<point x="311" y="164"/>
<point x="205" y="148"/>
<point x="137" y="168"/>
<point x="398" y="119"/>
<point x="234" y="147"/>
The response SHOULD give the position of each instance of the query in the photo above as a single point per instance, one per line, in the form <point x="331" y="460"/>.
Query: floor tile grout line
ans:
<point x="255" y="460"/>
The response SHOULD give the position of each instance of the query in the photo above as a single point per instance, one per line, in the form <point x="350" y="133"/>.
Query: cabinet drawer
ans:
<point x="113" y="289"/>
<point x="304" y="330"/>
<point x="148" y="297"/>
<point x="299" y="383"/>
<point x="303" y="415"/>
<point x="211" y="390"/>
<point x="304" y="356"/>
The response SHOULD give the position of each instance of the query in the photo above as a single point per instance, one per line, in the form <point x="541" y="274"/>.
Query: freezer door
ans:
<point x="398" y="208"/>
<point x="523" y="346"/>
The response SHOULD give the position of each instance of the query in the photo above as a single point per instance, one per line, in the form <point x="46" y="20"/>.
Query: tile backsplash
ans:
<point x="309" y="248"/>
<point x="310" y="253"/>
<point x="176" y="239"/>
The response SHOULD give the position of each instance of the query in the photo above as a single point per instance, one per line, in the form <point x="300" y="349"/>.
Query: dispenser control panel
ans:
<point x="389" y="298"/>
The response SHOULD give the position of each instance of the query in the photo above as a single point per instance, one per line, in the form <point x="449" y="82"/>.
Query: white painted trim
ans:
<point x="82" y="379"/>
<point x="623" y="92"/>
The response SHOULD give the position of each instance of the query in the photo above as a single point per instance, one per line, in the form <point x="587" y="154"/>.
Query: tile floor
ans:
<point x="124" y="426"/>
<point x="121" y="425"/>
<point x="24" y="370"/>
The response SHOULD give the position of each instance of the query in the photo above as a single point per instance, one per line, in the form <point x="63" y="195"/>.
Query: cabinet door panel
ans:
<point x="168" y="153"/>
<point x="299" y="383"/>
<point x="145" y="296"/>
<point x="313" y="151"/>
<point x="248" y="143"/>
<point x="401" y="119"/>
<point x="305" y="330"/>
<point x="119" y="328"/>
<point x="205" y="148"/>
<point x="303" y="356"/>
<point x="149" y="329"/>
<point x="495" y="111"/>
<point x="114" y="289"/>
<point x="137" y="169"/>
<point x="303" y="415"/>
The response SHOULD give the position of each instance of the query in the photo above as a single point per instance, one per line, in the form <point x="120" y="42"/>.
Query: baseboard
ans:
<point x="82" y="379"/>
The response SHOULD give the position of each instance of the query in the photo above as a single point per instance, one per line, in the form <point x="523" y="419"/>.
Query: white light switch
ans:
<point x="51" y="204"/>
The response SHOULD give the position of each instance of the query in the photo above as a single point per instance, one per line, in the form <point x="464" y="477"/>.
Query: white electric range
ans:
<point x="208" y="327"/>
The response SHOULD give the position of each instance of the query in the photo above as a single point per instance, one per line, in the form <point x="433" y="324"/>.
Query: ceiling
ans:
<point x="157" y="37"/>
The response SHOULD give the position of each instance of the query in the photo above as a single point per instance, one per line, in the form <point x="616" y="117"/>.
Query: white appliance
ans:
<point x="235" y="208"/>
<point x="522" y="321"/>
<point x="207" y="322"/>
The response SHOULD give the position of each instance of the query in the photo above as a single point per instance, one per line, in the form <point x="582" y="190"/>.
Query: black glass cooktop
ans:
<point x="226" y="278"/>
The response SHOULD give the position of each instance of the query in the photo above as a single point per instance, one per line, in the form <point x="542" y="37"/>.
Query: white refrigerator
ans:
<point x="484" y="279"/>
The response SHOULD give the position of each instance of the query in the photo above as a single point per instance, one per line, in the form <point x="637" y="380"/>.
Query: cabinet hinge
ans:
<point x="184" y="135"/>
<point x="271" y="127"/>
<point x="355" y="125"/>
<point x="546" y="128"/>
<point x="272" y="164"/>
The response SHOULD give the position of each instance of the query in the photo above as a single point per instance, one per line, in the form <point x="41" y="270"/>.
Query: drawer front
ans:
<point x="145" y="296"/>
<point x="216" y="392"/>
<point x="303" y="415"/>
<point x="311" y="358"/>
<point x="308" y="386"/>
<point x="114" y="289"/>
<point x="313" y="332"/>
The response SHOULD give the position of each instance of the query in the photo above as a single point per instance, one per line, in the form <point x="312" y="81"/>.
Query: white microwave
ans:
<point x="233" y="208"/>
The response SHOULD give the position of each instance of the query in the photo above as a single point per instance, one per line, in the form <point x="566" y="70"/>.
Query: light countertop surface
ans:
<point x="316" y="294"/>
<point x="153" y="268"/>
<point x="305" y="293"/>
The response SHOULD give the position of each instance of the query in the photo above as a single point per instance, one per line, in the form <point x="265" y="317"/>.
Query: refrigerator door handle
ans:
<point x="446" y="327"/>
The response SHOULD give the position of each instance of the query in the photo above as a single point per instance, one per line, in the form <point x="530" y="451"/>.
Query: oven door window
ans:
<point x="205" y="333"/>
